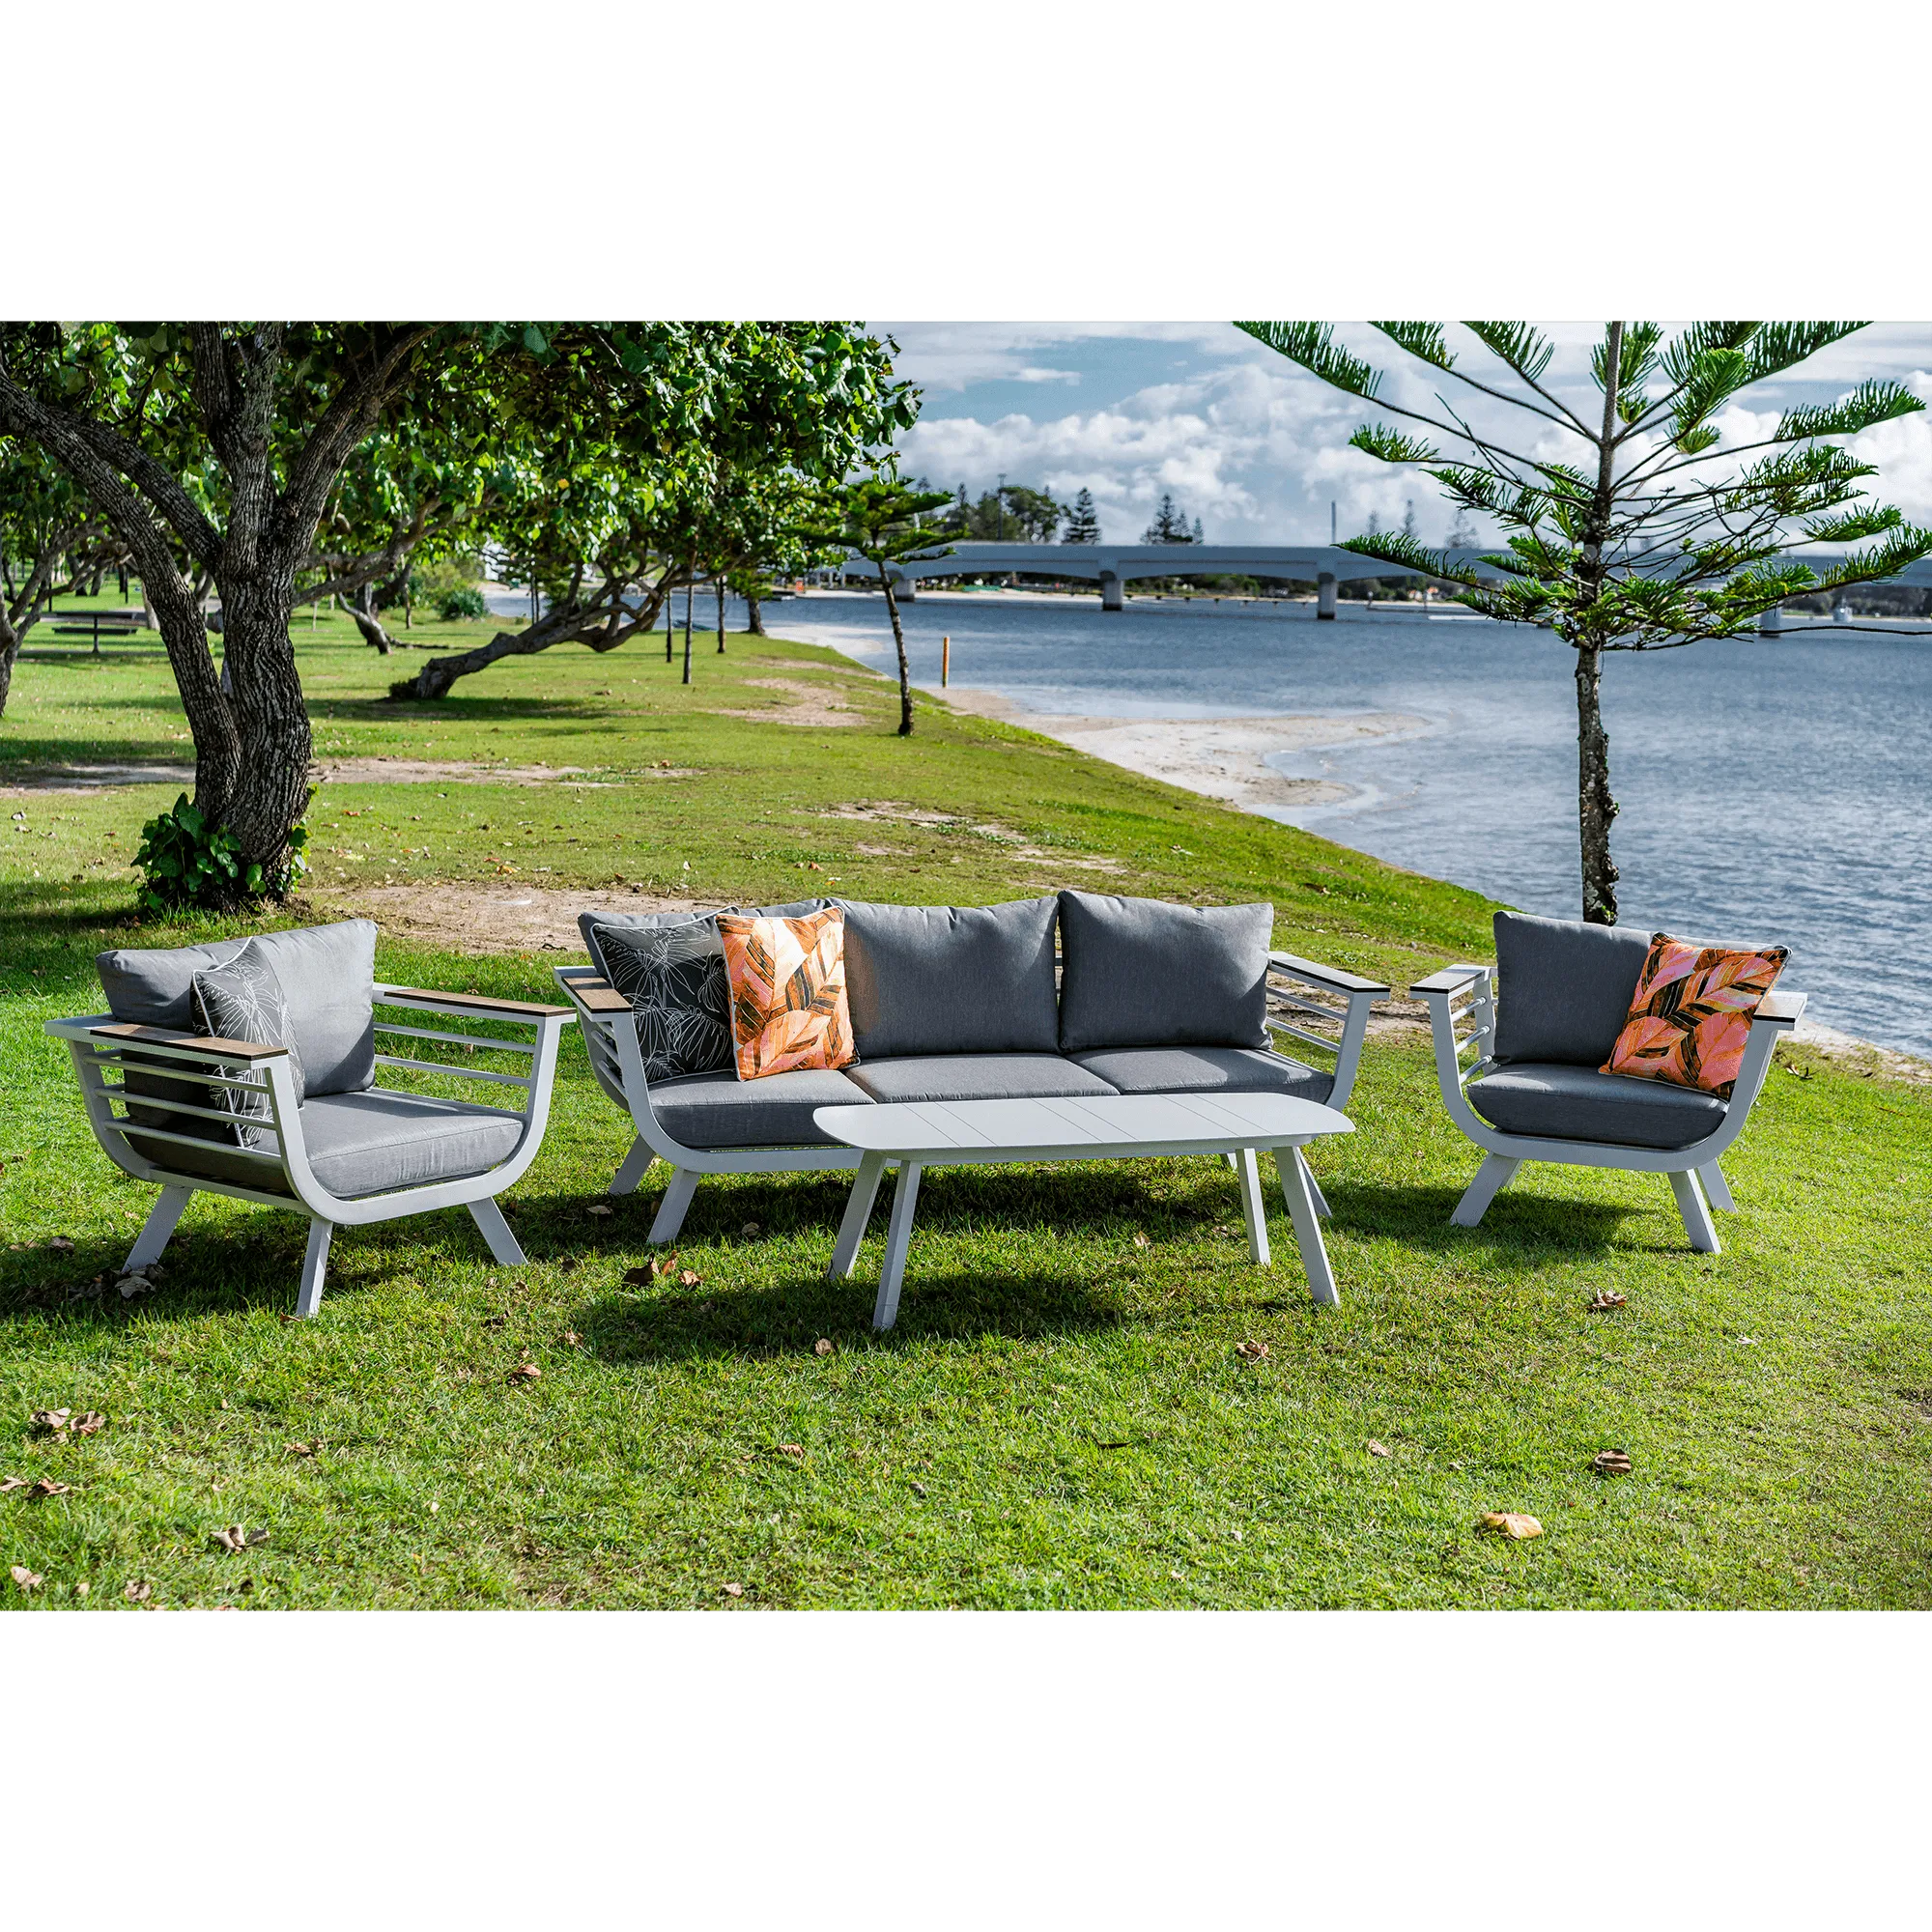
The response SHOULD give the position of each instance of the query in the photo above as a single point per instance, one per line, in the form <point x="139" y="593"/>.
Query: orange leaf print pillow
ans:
<point x="788" y="981"/>
<point x="1691" y="1013"/>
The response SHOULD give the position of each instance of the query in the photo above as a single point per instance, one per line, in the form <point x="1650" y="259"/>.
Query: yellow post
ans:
<point x="945" y="661"/>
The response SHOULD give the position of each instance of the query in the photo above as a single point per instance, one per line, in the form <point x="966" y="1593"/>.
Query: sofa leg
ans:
<point x="1315" y="1192"/>
<point x="1716" y="1190"/>
<point x="159" y="1226"/>
<point x="495" y="1232"/>
<point x="1697" y="1214"/>
<point x="314" y="1264"/>
<point x="1492" y="1177"/>
<point x="672" y="1208"/>
<point x="1254" y="1209"/>
<point x="635" y="1163"/>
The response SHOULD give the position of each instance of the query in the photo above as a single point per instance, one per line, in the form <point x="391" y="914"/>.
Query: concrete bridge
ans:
<point x="1112" y="566"/>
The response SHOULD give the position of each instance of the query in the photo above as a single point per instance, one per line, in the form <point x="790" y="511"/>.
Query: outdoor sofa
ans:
<point x="1536" y="1091"/>
<point x="313" y="1123"/>
<point x="1064" y="995"/>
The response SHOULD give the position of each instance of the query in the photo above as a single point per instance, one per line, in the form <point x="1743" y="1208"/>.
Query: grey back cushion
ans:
<point x="327" y="976"/>
<point x="950" y="978"/>
<point x="587" y="922"/>
<point x="1565" y="989"/>
<point x="243" y="1001"/>
<point x="1144" y="973"/>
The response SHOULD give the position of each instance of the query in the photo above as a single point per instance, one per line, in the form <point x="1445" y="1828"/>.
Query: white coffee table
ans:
<point x="944" y="1133"/>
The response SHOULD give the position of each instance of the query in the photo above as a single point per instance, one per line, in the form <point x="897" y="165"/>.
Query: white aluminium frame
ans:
<point x="101" y="1046"/>
<point x="610" y="1039"/>
<point x="1465" y="994"/>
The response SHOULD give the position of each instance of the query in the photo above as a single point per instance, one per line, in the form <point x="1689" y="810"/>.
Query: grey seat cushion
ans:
<point x="327" y="975"/>
<point x="950" y="978"/>
<point x="371" y="1142"/>
<point x="719" y="1110"/>
<point x="1207" y="1070"/>
<point x="978" y="1076"/>
<point x="587" y="922"/>
<point x="1144" y="973"/>
<point x="1565" y="987"/>
<point x="1577" y="1103"/>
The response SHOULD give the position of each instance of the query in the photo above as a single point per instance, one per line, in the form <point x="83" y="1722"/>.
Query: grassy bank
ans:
<point x="1062" y="1416"/>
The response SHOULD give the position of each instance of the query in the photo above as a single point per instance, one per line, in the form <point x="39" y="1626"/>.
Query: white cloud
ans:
<point x="1257" y="450"/>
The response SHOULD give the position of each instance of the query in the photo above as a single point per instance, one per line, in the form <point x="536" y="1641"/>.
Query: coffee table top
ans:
<point x="1122" y="1124"/>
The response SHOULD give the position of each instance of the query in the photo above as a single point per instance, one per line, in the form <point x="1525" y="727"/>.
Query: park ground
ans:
<point x="1092" y="1399"/>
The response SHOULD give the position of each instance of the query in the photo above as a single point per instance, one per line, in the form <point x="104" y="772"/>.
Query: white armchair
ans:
<point x="343" y="1159"/>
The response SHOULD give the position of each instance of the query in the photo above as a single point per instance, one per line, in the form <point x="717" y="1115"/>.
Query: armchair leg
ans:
<point x="159" y="1226"/>
<point x="1254" y="1209"/>
<point x="672" y="1208"/>
<point x="1697" y="1214"/>
<point x="635" y="1162"/>
<point x="1492" y="1177"/>
<point x="1716" y="1190"/>
<point x="496" y="1230"/>
<point x="1315" y="1192"/>
<point x="314" y="1264"/>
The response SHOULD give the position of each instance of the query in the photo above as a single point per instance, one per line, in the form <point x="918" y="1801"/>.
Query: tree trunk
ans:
<point x="368" y="620"/>
<point x="596" y="627"/>
<point x="719" y="586"/>
<point x="755" y="624"/>
<point x="10" y="650"/>
<point x="687" y="632"/>
<point x="898" y="640"/>
<point x="270" y="790"/>
<point x="1595" y="807"/>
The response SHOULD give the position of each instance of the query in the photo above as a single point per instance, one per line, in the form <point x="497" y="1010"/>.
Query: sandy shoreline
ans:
<point x="1218" y="758"/>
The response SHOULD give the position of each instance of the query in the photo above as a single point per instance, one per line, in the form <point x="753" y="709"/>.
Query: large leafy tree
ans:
<point x="883" y="520"/>
<point x="1632" y="523"/>
<point x="47" y="524"/>
<point x="630" y="478"/>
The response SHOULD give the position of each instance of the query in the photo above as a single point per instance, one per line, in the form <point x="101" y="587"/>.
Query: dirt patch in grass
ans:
<point x="810" y="707"/>
<point x="93" y="777"/>
<point x="486" y="918"/>
<point x="384" y="769"/>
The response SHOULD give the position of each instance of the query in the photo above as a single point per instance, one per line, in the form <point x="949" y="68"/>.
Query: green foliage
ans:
<point x="187" y="863"/>
<point x="465" y="602"/>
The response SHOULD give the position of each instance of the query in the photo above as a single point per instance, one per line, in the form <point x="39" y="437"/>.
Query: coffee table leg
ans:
<point x="1254" y="1207"/>
<point x="905" y="1197"/>
<point x="858" y="1214"/>
<point x="1297" y="1187"/>
<point x="1314" y="1186"/>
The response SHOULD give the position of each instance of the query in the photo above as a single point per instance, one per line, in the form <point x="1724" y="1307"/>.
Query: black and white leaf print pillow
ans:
<point x="243" y="999"/>
<point x="674" y="975"/>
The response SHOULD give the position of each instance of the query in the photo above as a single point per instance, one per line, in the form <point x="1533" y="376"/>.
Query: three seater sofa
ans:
<point x="1068" y="994"/>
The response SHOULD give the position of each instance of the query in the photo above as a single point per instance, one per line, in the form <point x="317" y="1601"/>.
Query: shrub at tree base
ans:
<point x="185" y="862"/>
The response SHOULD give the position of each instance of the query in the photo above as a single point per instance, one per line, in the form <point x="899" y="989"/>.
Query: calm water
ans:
<point x="1771" y="791"/>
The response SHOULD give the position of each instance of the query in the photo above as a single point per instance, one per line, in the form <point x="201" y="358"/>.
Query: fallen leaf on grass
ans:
<point x="61" y="1244"/>
<point x="1509" y="1523"/>
<point x="1254" y="1352"/>
<point x="235" y="1537"/>
<point x="792" y="1449"/>
<point x="689" y="1277"/>
<point x="821" y="1347"/>
<point x="137" y="1593"/>
<point x="750" y="1230"/>
<point x="1139" y="1240"/>
<point x="1379" y="1448"/>
<point x="1611" y="1462"/>
<point x="918" y="1489"/>
<point x="25" y="1580"/>
<point x="53" y="1421"/>
<point x="305" y="1448"/>
<point x="571" y="1338"/>
<point x="598" y="1207"/>
<point x="1604" y="1299"/>
<point x="733" y="1589"/>
<point x="88" y="1424"/>
<point x="11" y="1483"/>
<point x="640" y="1277"/>
<point x="525" y="1371"/>
<point x="47" y="1487"/>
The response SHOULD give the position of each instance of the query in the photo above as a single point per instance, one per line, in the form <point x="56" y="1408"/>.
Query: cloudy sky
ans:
<point x="1252" y="447"/>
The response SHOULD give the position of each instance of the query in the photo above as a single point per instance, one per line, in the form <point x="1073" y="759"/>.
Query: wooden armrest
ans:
<point x="599" y="996"/>
<point x="1447" y="980"/>
<point x="479" y="1003"/>
<point x="1325" y="975"/>
<point x="190" y="1043"/>
<point x="1782" y="1009"/>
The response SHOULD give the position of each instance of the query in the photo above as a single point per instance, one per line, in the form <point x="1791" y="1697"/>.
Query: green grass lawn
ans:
<point x="1062" y="1417"/>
